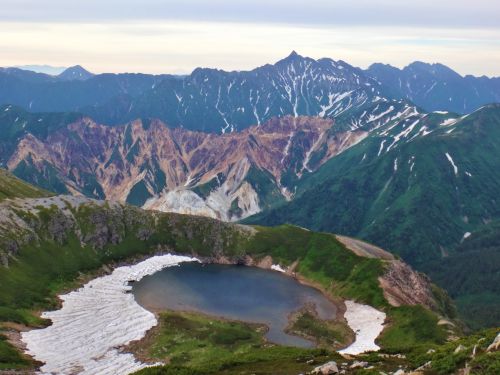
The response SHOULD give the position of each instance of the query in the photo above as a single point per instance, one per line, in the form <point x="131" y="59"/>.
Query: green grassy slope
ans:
<point x="199" y="344"/>
<point x="50" y="257"/>
<point x="477" y="297"/>
<point x="13" y="187"/>
<point x="408" y="199"/>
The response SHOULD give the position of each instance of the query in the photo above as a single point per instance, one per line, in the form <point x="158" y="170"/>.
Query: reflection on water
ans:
<point x="234" y="292"/>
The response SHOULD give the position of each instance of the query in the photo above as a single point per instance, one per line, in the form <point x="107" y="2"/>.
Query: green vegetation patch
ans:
<point x="328" y="334"/>
<point x="111" y="233"/>
<point x="204" y="190"/>
<point x="411" y="326"/>
<point x="450" y="357"/>
<point x="235" y="210"/>
<point x="323" y="260"/>
<point x="10" y="358"/>
<point x="198" y="344"/>
<point x="139" y="194"/>
<point x="45" y="178"/>
<point x="13" y="187"/>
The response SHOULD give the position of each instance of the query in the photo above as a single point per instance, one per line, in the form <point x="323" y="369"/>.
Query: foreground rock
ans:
<point x="327" y="369"/>
<point x="495" y="345"/>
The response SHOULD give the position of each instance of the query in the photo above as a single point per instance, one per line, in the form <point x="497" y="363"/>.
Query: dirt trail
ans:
<point x="365" y="249"/>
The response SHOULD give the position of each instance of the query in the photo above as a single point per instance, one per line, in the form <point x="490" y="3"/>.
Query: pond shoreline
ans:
<point x="108" y="270"/>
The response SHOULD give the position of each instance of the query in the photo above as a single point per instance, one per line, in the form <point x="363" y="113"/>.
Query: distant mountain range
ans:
<point x="437" y="87"/>
<point x="46" y="69"/>
<point x="227" y="176"/>
<point x="212" y="100"/>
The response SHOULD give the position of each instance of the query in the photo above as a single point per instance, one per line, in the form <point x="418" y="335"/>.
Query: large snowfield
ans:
<point x="367" y="322"/>
<point x="95" y="321"/>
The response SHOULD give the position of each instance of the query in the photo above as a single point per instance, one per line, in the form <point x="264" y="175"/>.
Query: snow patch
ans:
<point x="379" y="116"/>
<point x="450" y="159"/>
<point x="95" y="321"/>
<point x="381" y="147"/>
<point x="367" y="323"/>
<point x="277" y="267"/>
<point x="449" y="122"/>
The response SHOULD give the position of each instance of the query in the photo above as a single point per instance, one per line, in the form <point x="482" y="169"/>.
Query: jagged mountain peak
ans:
<point x="382" y="67"/>
<point x="294" y="58"/>
<point x="436" y="87"/>
<point x="75" y="73"/>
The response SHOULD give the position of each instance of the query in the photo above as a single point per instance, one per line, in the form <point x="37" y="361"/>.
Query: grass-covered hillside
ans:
<point x="48" y="244"/>
<point x="13" y="187"/>
<point x="416" y="190"/>
<point x="201" y="345"/>
<point x="478" y="295"/>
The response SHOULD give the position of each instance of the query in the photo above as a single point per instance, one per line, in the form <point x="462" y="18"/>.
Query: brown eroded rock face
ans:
<point x="400" y="283"/>
<point x="146" y="159"/>
<point x="404" y="286"/>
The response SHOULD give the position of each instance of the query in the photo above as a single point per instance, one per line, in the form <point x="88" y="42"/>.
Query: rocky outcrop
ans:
<point x="328" y="368"/>
<point x="495" y="345"/>
<point x="403" y="286"/>
<point x="226" y="176"/>
<point x="95" y="223"/>
<point x="400" y="283"/>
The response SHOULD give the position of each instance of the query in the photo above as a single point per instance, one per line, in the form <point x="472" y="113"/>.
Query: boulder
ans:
<point x="495" y="345"/>
<point x="327" y="369"/>
<point x="358" y="364"/>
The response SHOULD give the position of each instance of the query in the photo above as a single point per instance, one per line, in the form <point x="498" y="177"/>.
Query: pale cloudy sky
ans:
<point x="165" y="36"/>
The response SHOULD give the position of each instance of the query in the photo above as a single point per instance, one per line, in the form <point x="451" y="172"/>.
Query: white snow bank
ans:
<point x="449" y="121"/>
<point x="450" y="159"/>
<point x="95" y="321"/>
<point x="367" y="322"/>
<point x="277" y="267"/>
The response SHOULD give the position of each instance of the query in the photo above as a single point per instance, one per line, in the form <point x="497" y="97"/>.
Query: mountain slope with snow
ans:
<point x="144" y="162"/>
<point x="437" y="87"/>
<point x="418" y="188"/>
<point x="429" y="166"/>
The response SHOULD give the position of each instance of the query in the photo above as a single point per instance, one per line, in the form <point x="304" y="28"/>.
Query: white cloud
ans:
<point x="436" y="13"/>
<point x="180" y="46"/>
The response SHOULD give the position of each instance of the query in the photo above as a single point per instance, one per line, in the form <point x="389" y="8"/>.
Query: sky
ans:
<point x="165" y="36"/>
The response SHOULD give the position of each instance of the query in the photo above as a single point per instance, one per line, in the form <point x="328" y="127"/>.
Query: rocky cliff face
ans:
<point x="101" y="224"/>
<point x="400" y="283"/>
<point x="146" y="163"/>
<point x="95" y="223"/>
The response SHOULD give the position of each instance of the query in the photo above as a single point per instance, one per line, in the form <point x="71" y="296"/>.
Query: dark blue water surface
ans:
<point x="235" y="292"/>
